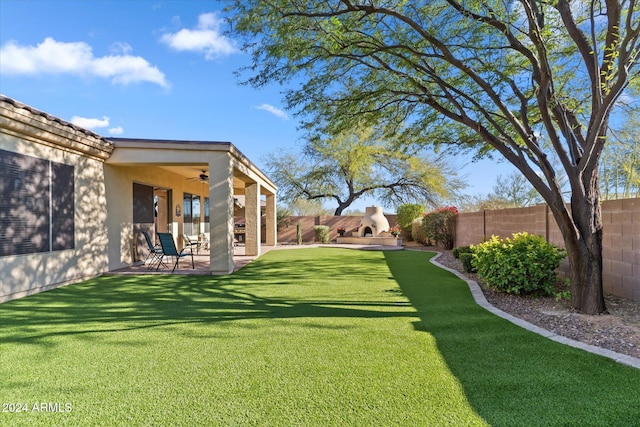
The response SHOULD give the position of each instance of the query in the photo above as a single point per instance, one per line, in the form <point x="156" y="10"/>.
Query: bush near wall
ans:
<point x="439" y="226"/>
<point x="620" y="238"/>
<point x="322" y="233"/>
<point x="524" y="264"/>
<point x="407" y="213"/>
<point x="418" y="234"/>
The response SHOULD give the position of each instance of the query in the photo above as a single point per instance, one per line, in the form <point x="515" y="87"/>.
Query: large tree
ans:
<point x="343" y="168"/>
<point x="494" y="75"/>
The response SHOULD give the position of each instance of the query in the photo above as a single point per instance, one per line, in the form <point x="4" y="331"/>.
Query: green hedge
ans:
<point x="406" y="214"/>
<point x="525" y="264"/>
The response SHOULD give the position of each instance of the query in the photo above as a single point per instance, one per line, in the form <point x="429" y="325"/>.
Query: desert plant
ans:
<point x="417" y="232"/>
<point x="438" y="226"/>
<point x="406" y="214"/>
<point x="299" y="233"/>
<point x="525" y="264"/>
<point x="322" y="233"/>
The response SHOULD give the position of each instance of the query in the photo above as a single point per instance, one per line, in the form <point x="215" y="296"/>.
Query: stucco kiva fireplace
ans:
<point x="373" y="222"/>
<point x="373" y="230"/>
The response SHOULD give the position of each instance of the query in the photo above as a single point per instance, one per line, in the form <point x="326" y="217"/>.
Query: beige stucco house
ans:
<point x="73" y="204"/>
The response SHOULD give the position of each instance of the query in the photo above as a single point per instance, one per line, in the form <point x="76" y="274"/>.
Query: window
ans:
<point x="36" y="205"/>
<point x="191" y="211"/>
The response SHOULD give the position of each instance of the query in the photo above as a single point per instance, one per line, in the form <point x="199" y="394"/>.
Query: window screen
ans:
<point x="36" y="205"/>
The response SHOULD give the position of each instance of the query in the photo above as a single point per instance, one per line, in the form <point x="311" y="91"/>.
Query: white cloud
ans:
<point x="206" y="37"/>
<point x="55" y="57"/>
<point x="89" y="123"/>
<point x="273" y="110"/>
<point x="116" y="131"/>
<point x="120" y="48"/>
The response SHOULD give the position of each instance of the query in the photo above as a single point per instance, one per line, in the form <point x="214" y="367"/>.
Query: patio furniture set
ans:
<point x="159" y="253"/>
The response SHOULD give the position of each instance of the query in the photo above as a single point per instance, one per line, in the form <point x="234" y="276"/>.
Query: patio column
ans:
<point x="221" y="213"/>
<point x="252" y="219"/>
<point x="272" y="227"/>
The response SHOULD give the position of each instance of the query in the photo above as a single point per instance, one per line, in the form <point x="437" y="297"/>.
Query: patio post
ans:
<point x="221" y="213"/>
<point x="252" y="219"/>
<point x="272" y="228"/>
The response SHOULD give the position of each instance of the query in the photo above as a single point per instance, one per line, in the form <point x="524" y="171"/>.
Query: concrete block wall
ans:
<point x="621" y="238"/>
<point x="505" y="222"/>
<point x="621" y="247"/>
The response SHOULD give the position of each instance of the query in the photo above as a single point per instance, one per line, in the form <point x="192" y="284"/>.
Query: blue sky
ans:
<point x="150" y="69"/>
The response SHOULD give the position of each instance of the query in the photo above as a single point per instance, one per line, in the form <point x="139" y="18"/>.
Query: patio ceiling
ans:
<point x="193" y="171"/>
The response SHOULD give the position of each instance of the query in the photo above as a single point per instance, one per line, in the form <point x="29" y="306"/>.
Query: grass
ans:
<point x="306" y="337"/>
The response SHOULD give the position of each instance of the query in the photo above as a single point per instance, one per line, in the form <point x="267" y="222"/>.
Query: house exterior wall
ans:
<point x="620" y="238"/>
<point x="104" y="173"/>
<point x="23" y="132"/>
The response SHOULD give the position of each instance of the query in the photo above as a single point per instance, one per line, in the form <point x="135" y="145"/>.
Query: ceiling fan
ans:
<point x="203" y="177"/>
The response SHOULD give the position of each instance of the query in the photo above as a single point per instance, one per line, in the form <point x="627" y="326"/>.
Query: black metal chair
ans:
<point x="155" y="252"/>
<point x="169" y="250"/>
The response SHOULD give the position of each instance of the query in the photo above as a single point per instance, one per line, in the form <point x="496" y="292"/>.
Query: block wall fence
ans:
<point x="621" y="236"/>
<point x="287" y="235"/>
<point x="620" y="241"/>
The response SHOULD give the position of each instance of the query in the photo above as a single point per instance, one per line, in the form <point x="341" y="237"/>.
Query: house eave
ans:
<point x="23" y="121"/>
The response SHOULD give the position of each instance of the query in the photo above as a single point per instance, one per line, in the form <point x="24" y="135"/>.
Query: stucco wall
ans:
<point x="23" y="275"/>
<point x="287" y="234"/>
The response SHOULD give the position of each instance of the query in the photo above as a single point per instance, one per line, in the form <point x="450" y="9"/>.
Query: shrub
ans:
<point x="466" y="258"/>
<point x="417" y="232"/>
<point x="461" y="250"/>
<point x="438" y="226"/>
<point x="322" y="233"/>
<point x="525" y="264"/>
<point x="405" y="215"/>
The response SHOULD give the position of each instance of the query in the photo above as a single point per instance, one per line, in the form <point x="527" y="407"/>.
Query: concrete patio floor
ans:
<point x="201" y="260"/>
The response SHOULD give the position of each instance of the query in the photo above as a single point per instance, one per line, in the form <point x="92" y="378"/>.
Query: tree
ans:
<point x="515" y="191"/>
<point x="485" y="75"/>
<point x="353" y="164"/>
<point x="303" y="207"/>
<point x="620" y="167"/>
<point x="512" y="191"/>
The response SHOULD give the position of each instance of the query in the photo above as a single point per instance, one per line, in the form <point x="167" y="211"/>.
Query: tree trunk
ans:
<point x="582" y="231"/>
<point x="585" y="260"/>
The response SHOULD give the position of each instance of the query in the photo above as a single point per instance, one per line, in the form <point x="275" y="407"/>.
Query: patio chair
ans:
<point x="191" y="242"/>
<point x="155" y="252"/>
<point x="169" y="250"/>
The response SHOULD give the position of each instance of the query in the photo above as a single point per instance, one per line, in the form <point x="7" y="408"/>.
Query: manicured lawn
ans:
<point x="309" y="337"/>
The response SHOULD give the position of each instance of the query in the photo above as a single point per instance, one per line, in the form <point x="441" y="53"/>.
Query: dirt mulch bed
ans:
<point x="618" y="331"/>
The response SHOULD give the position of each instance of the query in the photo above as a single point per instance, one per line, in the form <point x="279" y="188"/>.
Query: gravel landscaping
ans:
<point x="618" y="331"/>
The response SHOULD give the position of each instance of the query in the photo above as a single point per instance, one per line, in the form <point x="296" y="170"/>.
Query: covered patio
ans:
<point x="187" y="188"/>
<point x="201" y="262"/>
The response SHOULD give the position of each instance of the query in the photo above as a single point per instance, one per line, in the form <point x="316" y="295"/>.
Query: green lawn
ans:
<point x="308" y="337"/>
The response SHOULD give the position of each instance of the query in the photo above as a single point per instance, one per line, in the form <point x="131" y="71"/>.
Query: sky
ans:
<point x="154" y="69"/>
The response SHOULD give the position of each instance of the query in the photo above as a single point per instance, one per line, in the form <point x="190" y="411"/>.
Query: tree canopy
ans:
<point x="489" y="75"/>
<point x="344" y="168"/>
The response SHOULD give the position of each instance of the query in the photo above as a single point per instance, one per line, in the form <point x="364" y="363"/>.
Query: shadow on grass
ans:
<point x="119" y="303"/>
<point x="512" y="376"/>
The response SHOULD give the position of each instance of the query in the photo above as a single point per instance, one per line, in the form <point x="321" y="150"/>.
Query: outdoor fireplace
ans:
<point x="373" y="223"/>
